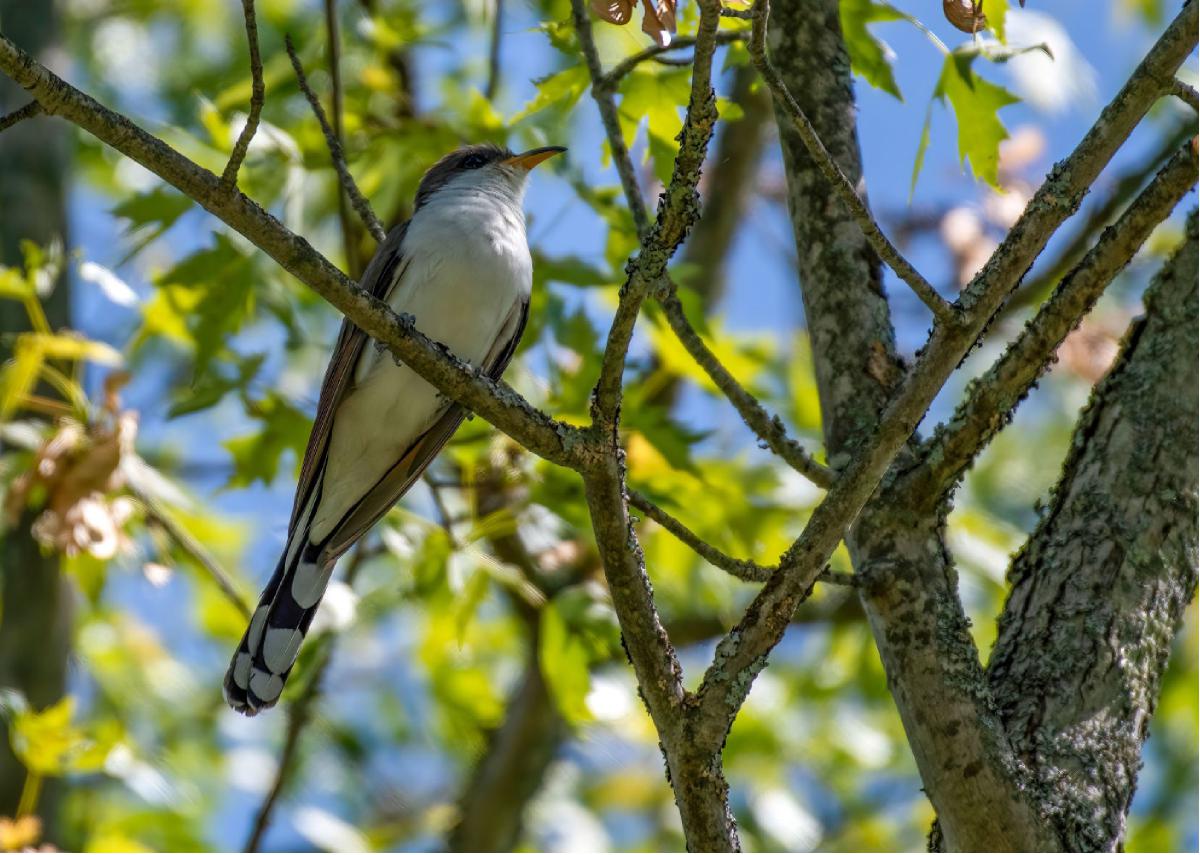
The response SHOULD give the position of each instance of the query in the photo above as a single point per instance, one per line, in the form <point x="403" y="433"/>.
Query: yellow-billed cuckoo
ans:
<point x="461" y="268"/>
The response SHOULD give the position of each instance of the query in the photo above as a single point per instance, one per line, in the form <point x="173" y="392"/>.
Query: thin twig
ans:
<point x="942" y="310"/>
<point x="361" y="205"/>
<point x="33" y="108"/>
<point x="609" y="81"/>
<point x="739" y="568"/>
<point x="769" y="428"/>
<point x="740" y="14"/>
<point x="445" y="520"/>
<point x="333" y="42"/>
<point x="493" y="78"/>
<point x="608" y="117"/>
<point x="299" y="715"/>
<point x="258" y="95"/>
<point x="678" y="209"/>
<point x="192" y="547"/>
<point x="1186" y="94"/>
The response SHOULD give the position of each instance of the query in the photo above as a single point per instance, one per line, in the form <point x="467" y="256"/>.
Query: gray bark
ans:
<point x="910" y="588"/>
<point x="34" y="615"/>
<point x="1099" y="589"/>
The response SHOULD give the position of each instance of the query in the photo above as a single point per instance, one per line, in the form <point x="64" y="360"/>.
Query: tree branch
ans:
<point x="1125" y="185"/>
<point x="1100" y="587"/>
<point x="739" y="568"/>
<point x="194" y="549"/>
<point x="33" y="108"/>
<point x="610" y="81"/>
<point x="608" y="117"/>
<point x="258" y="95"/>
<point x="360" y="203"/>
<point x="493" y="78"/>
<point x="496" y="402"/>
<point x="769" y="428"/>
<point x="741" y="654"/>
<point x="942" y="310"/>
<point x="678" y="208"/>
<point x="992" y="398"/>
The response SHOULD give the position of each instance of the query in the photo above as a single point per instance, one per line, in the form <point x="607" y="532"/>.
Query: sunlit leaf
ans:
<point x="256" y="455"/>
<point x="870" y="56"/>
<point x="976" y="104"/>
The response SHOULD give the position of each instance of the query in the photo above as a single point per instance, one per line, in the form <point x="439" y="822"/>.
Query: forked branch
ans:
<point x="943" y="311"/>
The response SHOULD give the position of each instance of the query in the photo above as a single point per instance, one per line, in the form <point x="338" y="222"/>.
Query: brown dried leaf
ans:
<point x="965" y="15"/>
<point x="78" y="471"/>
<point x="659" y="20"/>
<point x="1089" y="350"/>
<point x="613" y="11"/>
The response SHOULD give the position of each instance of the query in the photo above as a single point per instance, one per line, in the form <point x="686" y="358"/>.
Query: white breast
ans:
<point x="466" y="264"/>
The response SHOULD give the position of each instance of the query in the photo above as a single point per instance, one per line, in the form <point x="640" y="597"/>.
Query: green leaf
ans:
<point x="922" y="147"/>
<point x="256" y="455"/>
<point x="560" y="91"/>
<point x="18" y="377"/>
<point x="212" y="386"/>
<point x="48" y="744"/>
<point x="976" y="104"/>
<point x="569" y="270"/>
<point x="996" y="11"/>
<point x="655" y="97"/>
<point x="150" y="214"/>
<point x="870" y="56"/>
<point x="202" y="300"/>
<point x="14" y="285"/>
<point x="564" y="661"/>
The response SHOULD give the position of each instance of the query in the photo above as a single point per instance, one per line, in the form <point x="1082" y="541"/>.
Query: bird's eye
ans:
<point x="473" y="161"/>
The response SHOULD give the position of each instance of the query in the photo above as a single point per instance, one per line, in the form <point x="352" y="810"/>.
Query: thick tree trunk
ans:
<point x="910" y="589"/>
<point x="1099" y="589"/>
<point x="34" y="599"/>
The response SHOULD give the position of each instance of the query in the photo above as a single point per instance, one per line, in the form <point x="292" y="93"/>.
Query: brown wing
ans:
<point x="381" y="275"/>
<point x="400" y="478"/>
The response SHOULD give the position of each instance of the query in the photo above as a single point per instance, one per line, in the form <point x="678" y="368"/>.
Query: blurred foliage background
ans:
<point x="161" y="377"/>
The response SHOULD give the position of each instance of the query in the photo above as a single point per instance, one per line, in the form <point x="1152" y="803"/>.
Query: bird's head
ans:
<point x="484" y="166"/>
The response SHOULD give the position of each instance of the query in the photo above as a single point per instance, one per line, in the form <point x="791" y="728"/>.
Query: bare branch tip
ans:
<point x="258" y="94"/>
<point x="361" y="206"/>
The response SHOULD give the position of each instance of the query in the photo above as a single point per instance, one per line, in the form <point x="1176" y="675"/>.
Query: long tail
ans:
<point x="269" y="648"/>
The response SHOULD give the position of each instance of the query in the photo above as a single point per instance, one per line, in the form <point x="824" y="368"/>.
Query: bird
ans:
<point x="461" y="268"/>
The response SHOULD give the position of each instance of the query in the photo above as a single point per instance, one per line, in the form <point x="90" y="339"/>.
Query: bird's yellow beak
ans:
<point x="531" y="158"/>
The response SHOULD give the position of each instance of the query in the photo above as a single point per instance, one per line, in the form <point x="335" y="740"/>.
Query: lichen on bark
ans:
<point x="1100" y="587"/>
